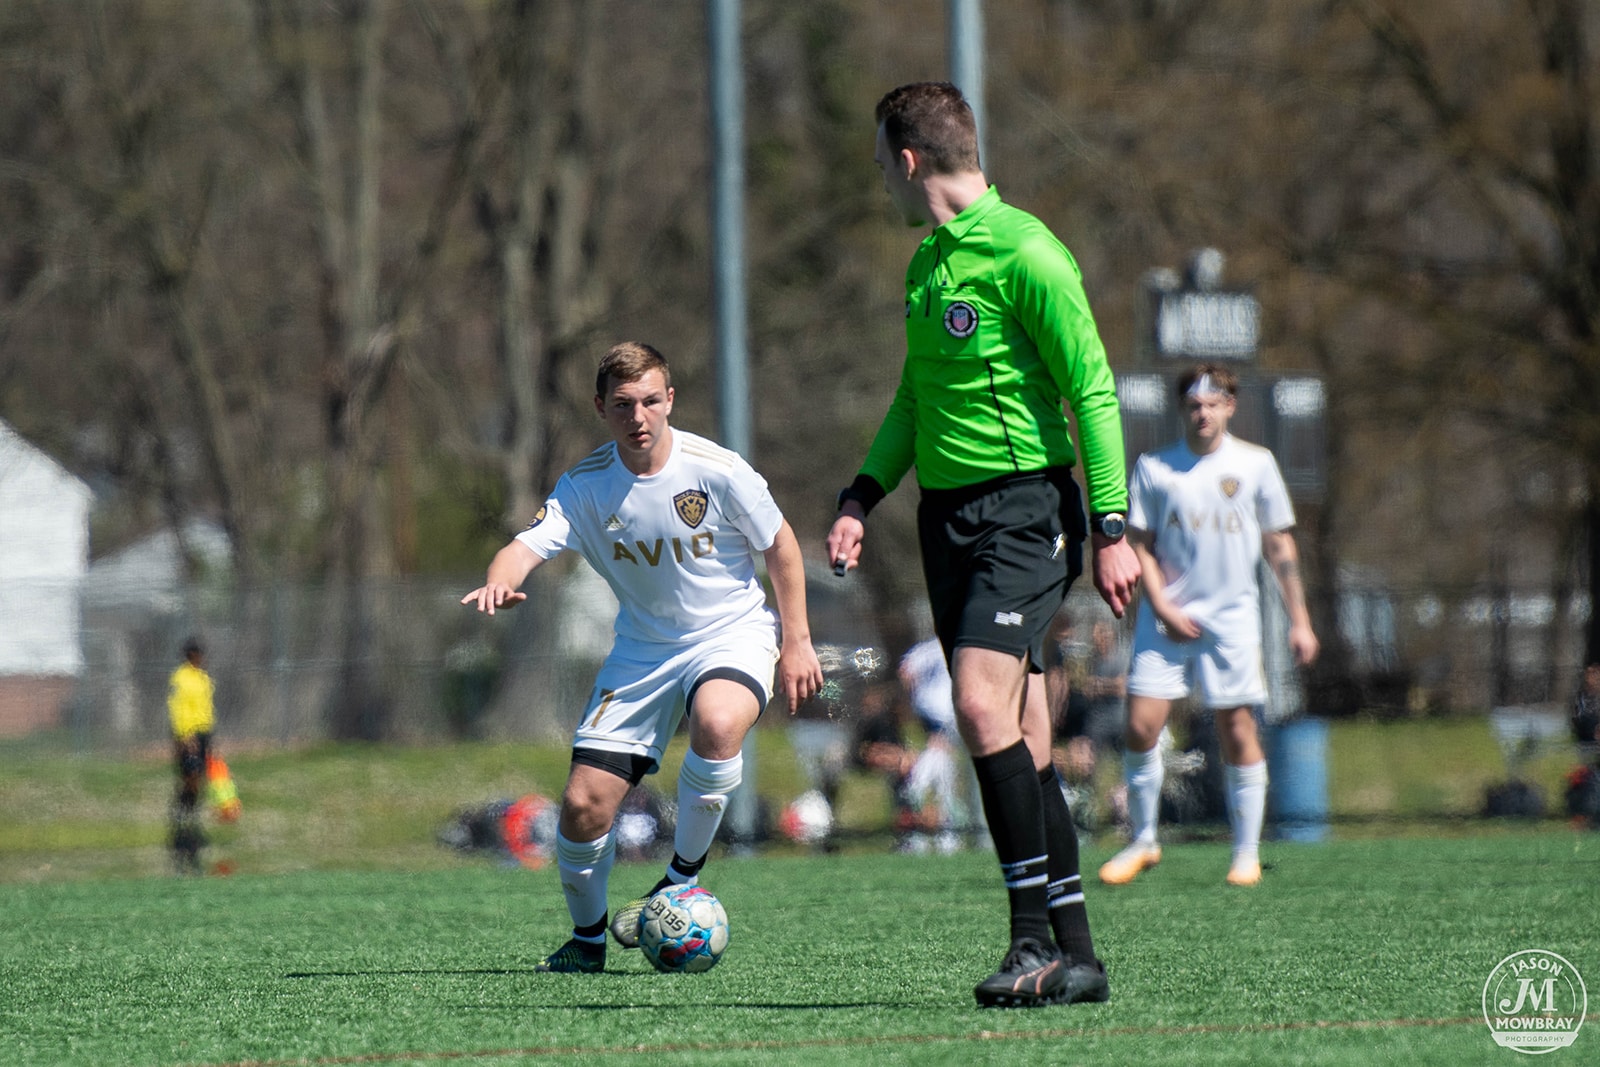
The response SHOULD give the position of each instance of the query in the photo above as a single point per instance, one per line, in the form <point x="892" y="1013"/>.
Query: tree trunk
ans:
<point x="521" y="342"/>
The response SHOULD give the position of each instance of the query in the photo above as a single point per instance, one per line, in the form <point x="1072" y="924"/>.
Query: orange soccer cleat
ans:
<point x="1245" y="872"/>
<point x="1128" y="864"/>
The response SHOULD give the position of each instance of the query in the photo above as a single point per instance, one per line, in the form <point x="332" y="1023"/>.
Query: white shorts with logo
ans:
<point x="1225" y="673"/>
<point x="640" y="694"/>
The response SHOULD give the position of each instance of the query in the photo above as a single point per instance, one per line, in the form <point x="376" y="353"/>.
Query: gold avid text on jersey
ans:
<point x="650" y="555"/>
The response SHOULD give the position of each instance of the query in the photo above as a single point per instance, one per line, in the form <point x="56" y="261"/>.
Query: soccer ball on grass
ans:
<point x="683" y="929"/>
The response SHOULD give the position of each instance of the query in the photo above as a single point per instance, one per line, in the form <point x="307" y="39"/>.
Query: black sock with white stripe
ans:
<point x="679" y="872"/>
<point x="1011" y="803"/>
<point x="1068" y="916"/>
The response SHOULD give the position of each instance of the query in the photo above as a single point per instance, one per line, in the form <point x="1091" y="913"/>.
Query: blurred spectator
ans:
<point x="1586" y="708"/>
<point x="1065" y="672"/>
<point x="926" y="679"/>
<point x="822" y="748"/>
<point x="924" y="785"/>
<point x="940" y="784"/>
<point x="820" y="730"/>
<point x="518" y="831"/>
<point x="1106" y="687"/>
<point x="1583" y="783"/>
<point x="1085" y="685"/>
<point x="882" y="749"/>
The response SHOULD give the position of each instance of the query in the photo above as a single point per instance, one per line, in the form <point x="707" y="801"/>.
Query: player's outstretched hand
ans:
<point x="494" y="595"/>
<point x="799" y="673"/>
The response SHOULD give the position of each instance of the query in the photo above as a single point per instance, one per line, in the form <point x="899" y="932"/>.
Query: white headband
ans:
<point x="1205" y="385"/>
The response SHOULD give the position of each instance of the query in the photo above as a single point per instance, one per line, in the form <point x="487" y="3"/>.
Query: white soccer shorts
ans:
<point x="1225" y="674"/>
<point x="639" y="696"/>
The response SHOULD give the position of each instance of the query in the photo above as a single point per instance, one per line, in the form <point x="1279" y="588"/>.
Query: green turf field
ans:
<point x="69" y="815"/>
<point x="1353" y="952"/>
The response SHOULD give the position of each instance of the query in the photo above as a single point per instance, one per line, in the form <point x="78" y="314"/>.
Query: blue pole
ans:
<point x="727" y="211"/>
<point x="728" y="266"/>
<point x="965" y="34"/>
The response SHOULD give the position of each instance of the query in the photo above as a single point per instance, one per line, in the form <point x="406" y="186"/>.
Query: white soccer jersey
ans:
<point x="1207" y="514"/>
<point x="932" y="697"/>
<point x="677" y="547"/>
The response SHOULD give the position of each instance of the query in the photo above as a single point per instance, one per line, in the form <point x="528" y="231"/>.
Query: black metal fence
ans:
<point x="404" y="659"/>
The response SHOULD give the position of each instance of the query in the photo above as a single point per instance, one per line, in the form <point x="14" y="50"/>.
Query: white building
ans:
<point x="44" y="552"/>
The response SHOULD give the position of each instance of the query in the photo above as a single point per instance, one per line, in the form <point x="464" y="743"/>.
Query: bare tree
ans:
<point x="149" y="170"/>
<point x="328" y="63"/>
<point x="1411" y="188"/>
<point x="549" y="297"/>
<point x="1513" y="156"/>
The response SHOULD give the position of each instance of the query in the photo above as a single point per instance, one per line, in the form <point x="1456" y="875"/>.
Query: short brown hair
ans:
<point x="628" y="362"/>
<point x="1220" y="374"/>
<point x="933" y="120"/>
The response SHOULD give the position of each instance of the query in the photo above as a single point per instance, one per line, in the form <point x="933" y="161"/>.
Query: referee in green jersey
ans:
<point x="998" y="333"/>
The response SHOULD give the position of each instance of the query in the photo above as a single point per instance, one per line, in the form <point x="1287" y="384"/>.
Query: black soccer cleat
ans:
<point x="575" y="957"/>
<point x="1086" y="982"/>
<point x="1033" y="974"/>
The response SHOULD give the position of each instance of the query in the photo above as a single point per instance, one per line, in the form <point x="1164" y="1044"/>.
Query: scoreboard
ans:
<point x="1182" y="319"/>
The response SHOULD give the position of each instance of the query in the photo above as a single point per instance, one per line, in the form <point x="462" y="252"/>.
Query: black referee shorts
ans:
<point x="998" y="558"/>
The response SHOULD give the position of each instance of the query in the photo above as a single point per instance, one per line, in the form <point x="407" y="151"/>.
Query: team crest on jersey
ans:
<point x="538" y="516"/>
<point x="1230" y="486"/>
<point x="961" y="319"/>
<point x="691" y="506"/>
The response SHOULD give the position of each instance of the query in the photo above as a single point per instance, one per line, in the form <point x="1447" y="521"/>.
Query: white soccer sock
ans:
<point x="703" y="789"/>
<point x="1143" y="772"/>
<point x="1247" y="806"/>
<point x="585" y="868"/>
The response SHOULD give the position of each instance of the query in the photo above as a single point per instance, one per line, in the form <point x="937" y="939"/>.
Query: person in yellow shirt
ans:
<point x="191" y="710"/>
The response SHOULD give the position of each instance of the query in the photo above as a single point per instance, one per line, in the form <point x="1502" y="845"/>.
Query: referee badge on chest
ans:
<point x="691" y="506"/>
<point x="961" y="319"/>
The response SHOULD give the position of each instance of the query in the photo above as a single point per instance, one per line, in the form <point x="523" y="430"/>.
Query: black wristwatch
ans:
<point x="1112" y="525"/>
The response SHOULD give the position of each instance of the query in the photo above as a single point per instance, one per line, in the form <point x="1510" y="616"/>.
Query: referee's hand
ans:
<point x="1116" y="572"/>
<point x="844" y="540"/>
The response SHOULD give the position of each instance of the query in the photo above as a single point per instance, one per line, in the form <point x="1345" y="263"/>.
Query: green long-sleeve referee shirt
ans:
<point x="998" y="333"/>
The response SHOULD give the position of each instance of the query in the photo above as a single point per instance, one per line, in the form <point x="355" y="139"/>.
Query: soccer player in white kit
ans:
<point x="673" y="523"/>
<point x="1202" y="514"/>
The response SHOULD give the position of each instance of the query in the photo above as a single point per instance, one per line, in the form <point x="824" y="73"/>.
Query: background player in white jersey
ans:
<point x="943" y="771"/>
<point x="673" y="523"/>
<point x="1202" y="513"/>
